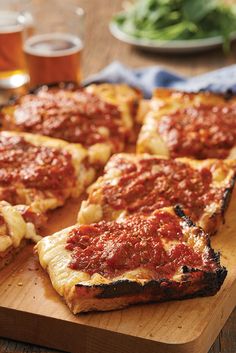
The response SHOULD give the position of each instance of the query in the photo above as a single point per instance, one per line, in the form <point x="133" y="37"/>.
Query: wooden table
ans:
<point x="101" y="49"/>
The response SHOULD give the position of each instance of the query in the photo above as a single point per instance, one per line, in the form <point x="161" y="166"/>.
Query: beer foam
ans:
<point x="9" y="22"/>
<point x="53" y="44"/>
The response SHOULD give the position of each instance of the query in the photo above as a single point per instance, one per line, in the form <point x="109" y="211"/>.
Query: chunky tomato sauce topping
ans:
<point x="112" y="248"/>
<point x="34" y="166"/>
<point x="154" y="183"/>
<point x="204" y="131"/>
<point x="79" y="117"/>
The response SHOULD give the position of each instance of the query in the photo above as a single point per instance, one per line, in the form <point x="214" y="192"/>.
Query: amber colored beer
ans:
<point x="11" y="55"/>
<point x="53" y="57"/>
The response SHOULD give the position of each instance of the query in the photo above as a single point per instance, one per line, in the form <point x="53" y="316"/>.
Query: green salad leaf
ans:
<point x="178" y="20"/>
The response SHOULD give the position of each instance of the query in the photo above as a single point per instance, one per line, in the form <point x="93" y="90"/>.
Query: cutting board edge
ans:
<point x="92" y="337"/>
<point x="95" y="340"/>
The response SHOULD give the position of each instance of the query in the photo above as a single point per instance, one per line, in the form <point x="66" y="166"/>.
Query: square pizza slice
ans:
<point x="111" y="264"/>
<point x="143" y="183"/>
<point x="196" y="125"/>
<point x="41" y="172"/>
<point x="99" y="117"/>
<point x="17" y="224"/>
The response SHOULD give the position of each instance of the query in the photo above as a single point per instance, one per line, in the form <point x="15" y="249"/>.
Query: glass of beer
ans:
<point x="12" y="63"/>
<point x="53" y="41"/>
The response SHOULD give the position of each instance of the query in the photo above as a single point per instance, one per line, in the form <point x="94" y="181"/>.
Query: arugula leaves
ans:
<point x="178" y="19"/>
<point x="197" y="10"/>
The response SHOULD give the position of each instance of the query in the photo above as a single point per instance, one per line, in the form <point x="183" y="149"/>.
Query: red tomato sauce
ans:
<point x="153" y="183"/>
<point x="34" y="166"/>
<point x="78" y="117"/>
<point x="112" y="248"/>
<point x="204" y="131"/>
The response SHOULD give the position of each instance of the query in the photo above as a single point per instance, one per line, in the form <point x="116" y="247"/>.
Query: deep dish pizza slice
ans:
<point x="41" y="172"/>
<point x="143" y="183"/>
<point x="109" y="265"/>
<point x="17" y="224"/>
<point x="99" y="117"/>
<point x="197" y="125"/>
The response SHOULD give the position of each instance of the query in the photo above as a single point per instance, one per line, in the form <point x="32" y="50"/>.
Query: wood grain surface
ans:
<point x="100" y="49"/>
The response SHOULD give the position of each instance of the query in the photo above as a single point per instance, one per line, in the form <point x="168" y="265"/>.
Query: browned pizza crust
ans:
<point x="84" y="290"/>
<point x="123" y="293"/>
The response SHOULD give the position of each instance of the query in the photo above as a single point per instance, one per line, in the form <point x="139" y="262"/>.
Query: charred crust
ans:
<point x="227" y="196"/>
<point x="193" y="281"/>
<point x="127" y="288"/>
<point x="215" y="256"/>
<point x="180" y="213"/>
<point x="186" y="269"/>
<point x="227" y="95"/>
<point x="206" y="284"/>
<point x="214" y="281"/>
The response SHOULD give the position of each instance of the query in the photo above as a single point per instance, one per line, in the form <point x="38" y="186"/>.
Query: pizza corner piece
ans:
<point x="125" y="97"/>
<point x="143" y="183"/>
<point x="17" y="226"/>
<point x="112" y="264"/>
<point x="40" y="171"/>
<point x="100" y="117"/>
<point x="196" y="125"/>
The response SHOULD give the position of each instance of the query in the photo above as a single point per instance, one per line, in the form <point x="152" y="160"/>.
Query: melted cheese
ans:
<point x="149" y="141"/>
<point x="5" y="242"/>
<point x="16" y="227"/>
<point x="31" y="233"/>
<point x="15" y="222"/>
<point x="99" y="153"/>
<point x="55" y="259"/>
<point x="90" y="213"/>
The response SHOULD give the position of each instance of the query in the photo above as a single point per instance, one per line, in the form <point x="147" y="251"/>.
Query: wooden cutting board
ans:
<point x="31" y="311"/>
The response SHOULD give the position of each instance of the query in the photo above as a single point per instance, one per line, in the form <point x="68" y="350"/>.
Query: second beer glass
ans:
<point x="12" y="62"/>
<point x="53" y="41"/>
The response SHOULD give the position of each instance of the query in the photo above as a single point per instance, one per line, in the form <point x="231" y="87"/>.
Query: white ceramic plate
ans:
<point x="174" y="46"/>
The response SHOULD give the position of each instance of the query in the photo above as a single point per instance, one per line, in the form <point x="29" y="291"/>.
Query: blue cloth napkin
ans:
<point x="147" y="78"/>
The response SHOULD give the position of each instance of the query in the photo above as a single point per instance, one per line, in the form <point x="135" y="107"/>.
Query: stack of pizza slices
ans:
<point x="143" y="233"/>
